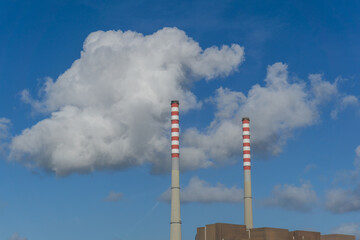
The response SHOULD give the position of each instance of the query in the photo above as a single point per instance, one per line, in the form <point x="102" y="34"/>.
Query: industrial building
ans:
<point x="223" y="231"/>
<point x="175" y="220"/>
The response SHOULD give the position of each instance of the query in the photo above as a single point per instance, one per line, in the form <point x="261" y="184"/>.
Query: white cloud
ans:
<point x="356" y="171"/>
<point x="341" y="200"/>
<point x="200" y="191"/>
<point x="114" y="197"/>
<point x="357" y="151"/>
<point x="276" y="110"/>
<point x="294" y="198"/>
<point x="228" y="102"/>
<point x="309" y="167"/>
<point x="4" y="132"/>
<point x="322" y="90"/>
<point x="110" y="109"/>
<point x="16" y="236"/>
<point x="4" y="125"/>
<point x="345" y="102"/>
<point x="348" y="228"/>
<point x="349" y="100"/>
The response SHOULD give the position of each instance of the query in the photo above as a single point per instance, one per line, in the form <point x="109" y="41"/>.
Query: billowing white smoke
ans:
<point x="110" y="110"/>
<point x="275" y="110"/>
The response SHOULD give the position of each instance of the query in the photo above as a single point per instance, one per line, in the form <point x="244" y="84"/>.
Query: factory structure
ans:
<point x="175" y="221"/>
<point x="224" y="231"/>
<point x="248" y="217"/>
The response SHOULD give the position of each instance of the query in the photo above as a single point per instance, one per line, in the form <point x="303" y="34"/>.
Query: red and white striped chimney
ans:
<point x="248" y="217"/>
<point x="175" y="222"/>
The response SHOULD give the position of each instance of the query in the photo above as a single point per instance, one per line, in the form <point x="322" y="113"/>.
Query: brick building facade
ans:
<point x="223" y="231"/>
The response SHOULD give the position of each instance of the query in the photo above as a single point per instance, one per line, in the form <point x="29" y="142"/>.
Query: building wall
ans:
<point x="200" y="233"/>
<point x="337" y="237"/>
<point x="223" y="231"/>
<point x="270" y="234"/>
<point x="305" y="235"/>
<point x="230" y="231"/>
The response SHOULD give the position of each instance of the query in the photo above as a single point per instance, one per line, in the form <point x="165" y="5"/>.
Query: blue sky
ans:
<point x="85" y="105"/>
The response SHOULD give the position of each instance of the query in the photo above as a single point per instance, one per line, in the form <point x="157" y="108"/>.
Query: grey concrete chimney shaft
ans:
<point x="175" y="222"/>
<point x="248" y="216"/>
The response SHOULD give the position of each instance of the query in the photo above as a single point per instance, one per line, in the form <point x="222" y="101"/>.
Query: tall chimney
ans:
<point x="248" y="217"/>
<point x="175" y="222"/>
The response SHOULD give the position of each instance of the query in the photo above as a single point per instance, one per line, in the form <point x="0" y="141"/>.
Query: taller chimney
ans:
<point x="175" y="222"/>
<point x="248" y="217"/>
